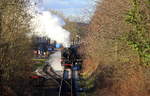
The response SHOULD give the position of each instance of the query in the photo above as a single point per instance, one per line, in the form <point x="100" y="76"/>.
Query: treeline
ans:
<point x="117" y="50"/>
<point x="75" y="27"/>
<point x="15" y="47"/>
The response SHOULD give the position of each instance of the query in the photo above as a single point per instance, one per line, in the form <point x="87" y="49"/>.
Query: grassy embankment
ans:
<point x="38" y="63"/>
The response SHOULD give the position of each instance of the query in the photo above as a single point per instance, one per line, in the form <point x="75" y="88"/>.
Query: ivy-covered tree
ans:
<point x="139" y="37"/>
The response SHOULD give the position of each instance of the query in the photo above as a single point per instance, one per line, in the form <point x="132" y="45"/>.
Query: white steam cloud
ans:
<point x="44" y="23"/>
<point x="55" y="61"/>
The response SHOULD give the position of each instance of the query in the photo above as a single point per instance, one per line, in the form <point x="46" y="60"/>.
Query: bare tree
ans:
<point x="15" y="50"/>
<point x="109" y="54"/>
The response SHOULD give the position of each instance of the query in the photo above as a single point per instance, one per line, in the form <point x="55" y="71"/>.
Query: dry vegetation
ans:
<point x="117" y="48"/>
<point x="15" y="50"/>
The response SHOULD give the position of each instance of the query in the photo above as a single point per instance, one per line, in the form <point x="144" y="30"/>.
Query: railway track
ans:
<point x="56" y="85"/>
<point x="66" y="88"/>
<point x="65" y="84"/>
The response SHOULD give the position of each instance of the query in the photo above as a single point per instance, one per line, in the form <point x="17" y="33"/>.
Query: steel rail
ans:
<point x="60" y="88"/>
<point x="55" y="75"/>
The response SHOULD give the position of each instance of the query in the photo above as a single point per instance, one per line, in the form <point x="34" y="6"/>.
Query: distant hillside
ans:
<point x="76" y="28"/>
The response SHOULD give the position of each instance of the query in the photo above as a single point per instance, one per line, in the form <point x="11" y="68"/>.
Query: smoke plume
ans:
<point x="44" y="23"/>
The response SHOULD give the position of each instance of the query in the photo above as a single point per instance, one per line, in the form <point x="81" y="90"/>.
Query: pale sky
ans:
<point x="75" y="8"/>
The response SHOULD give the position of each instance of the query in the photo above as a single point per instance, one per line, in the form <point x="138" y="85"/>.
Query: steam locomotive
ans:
<point x="71" y="57"/>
